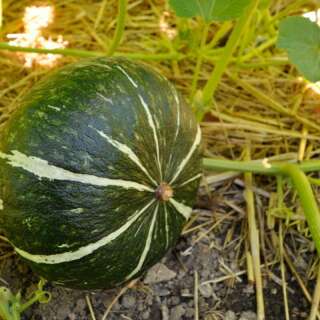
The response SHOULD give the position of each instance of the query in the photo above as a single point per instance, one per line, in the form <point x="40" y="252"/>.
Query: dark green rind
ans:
<point x="37" y="214"/>
<point x="103" y="267"/>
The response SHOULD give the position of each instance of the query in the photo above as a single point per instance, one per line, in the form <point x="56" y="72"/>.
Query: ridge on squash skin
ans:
<point x="126" y="150"/>
<point x="91" y="144"/>
<point x="154" y="130"/>
<point x="195" y="144"/>
<point x="147" y="246"/>
<point x="83" y="251"/>
<point x="197" y="176"/>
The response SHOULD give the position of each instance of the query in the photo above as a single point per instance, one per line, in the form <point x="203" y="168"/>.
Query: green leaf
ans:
<point x="301" y="39"/>
<point x="228" y="9"/>
<point x="185" y="9"/>
<point x="209" y="10"/>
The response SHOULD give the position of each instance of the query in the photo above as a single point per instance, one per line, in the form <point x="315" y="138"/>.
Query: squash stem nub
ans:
<point x="164" y="192"/>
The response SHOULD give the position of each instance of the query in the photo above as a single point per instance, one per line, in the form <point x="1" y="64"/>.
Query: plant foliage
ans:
<point x="209" y="10"/>
<point x="301" y="39"/>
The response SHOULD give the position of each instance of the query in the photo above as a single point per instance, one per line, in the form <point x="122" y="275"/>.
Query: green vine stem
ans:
<point x="88" y="53"/>
<point x="307" y="200"/>
<point x="232" y="43"/>
<point x="11" y="306"/>
<point x="65" y="52"/>
<point x="296" y="172"/>
<point x="120" y="27"/>
<point x="196" y="73"/>
<point x="256" y="166"/>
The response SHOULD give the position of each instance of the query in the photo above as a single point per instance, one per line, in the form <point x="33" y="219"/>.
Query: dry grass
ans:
<point x="261" y="105"/>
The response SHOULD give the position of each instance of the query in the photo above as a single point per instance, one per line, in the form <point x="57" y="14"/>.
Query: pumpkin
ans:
<point x="99" y="168"/>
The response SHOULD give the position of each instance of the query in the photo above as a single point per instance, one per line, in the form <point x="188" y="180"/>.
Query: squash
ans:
<point x="99" y="170"/>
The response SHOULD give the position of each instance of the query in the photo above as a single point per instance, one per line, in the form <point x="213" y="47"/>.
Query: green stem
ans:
<point x="151" y="56"/>
<point x="120" y="27"/>
<point x="256" y="166"/>
<point x="233" y="41"/>
<point x="88" y="53"/>
<point x="38" y="296"/>
<point x="199" y="60"/>
<point x="257" y="51"/>
<point x="65" y="52"/>
<point x="223" y="31"/>
<point x="29" y="303"/>
<point x="307" y="200"/>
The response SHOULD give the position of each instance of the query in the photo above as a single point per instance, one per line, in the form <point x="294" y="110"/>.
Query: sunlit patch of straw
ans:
<point x="35" y="19"/>
<point x="314" y="87"/>
<point x="165" y="26"/>
<point x="313" y="16"/>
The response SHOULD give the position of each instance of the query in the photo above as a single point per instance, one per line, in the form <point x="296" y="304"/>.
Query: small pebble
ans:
<point x="206" y="290"/>
<point x="159" y="273"/>
<point x="163" y="292"/>
<point x="146" y="315"/>
<point x="128" y="301"/>
<point x="189" y="313"/>
<point x="177" y="312"/>
<point x="72" y="316"/>
<point x="149" y="300"/>
<point x="140" y="306"/>
<point x="230" y="315"/>
<point x="248" y="315"/>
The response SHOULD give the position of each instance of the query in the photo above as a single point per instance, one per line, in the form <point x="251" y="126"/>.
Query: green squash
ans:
<point x="99" y="171"/>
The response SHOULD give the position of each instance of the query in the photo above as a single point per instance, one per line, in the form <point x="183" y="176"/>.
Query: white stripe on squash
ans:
<point x="181" y="208"/>
<point x="189" y="155"/>
<point x="1" y="204"/>
<point x="97" y="65"/>
<point x="154" y="129"/>
<point x="105" y="98"/>
<point x="166" y="225"/>
<point x="54" y="108"/>
<point x="77" y="210"/>
<point x="191" y="179"/>
<point x="43" y="169"/>
<point x="126" y="150"/>
<point x="147" y="246"/>
<point x="127" y="75"/>
<point x="175" y="94"/>
<point x="85" y="250"/>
